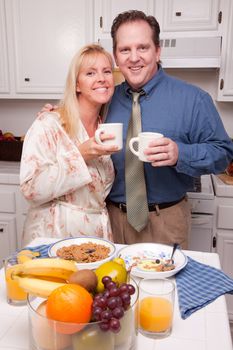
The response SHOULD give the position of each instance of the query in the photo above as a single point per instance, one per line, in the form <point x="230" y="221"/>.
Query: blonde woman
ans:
<point x="65" y="175"/>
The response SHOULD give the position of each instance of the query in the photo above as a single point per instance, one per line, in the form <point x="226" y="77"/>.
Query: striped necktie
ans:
<point x="136" y="198"/>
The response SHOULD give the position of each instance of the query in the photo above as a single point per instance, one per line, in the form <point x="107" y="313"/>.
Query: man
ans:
<point x="195" y="141"/>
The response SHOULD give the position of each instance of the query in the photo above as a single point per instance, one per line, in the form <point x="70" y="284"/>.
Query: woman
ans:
<point x="65" y="175"/>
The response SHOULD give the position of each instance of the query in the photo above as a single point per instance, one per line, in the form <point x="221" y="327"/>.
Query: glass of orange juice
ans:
<point x="155" y="307"/>
<point x="14" y="294"/>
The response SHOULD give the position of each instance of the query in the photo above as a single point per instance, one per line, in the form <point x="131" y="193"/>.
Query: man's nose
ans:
<point x="134" y="55"/>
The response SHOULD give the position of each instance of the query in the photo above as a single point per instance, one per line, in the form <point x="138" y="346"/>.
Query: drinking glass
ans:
<point x="14" y="294"/>
<point x="155" y="307"/>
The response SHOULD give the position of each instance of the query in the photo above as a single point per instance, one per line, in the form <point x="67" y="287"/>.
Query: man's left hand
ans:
<point x="162" y="152"/>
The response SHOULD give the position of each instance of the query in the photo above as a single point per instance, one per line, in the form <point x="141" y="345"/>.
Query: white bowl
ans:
<point x="52" y="251"/>
<point x="151" y="251"/>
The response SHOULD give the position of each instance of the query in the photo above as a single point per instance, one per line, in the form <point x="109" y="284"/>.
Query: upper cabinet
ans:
<point x="225" y="86"/>
<point x="189" y="17"/>
<point x="4" y="69"/>
<point x="42" y="37"/>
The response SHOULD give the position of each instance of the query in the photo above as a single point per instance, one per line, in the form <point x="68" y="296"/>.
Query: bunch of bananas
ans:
<point x="41" y="276"/>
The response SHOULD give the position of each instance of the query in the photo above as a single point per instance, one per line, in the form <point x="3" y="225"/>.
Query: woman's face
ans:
<point x="95" y="82"/>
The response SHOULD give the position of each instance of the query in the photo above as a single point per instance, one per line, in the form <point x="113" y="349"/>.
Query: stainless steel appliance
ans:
<point x="203" y="206"/>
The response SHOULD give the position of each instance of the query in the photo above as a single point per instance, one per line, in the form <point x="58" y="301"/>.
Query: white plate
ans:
<point x="52" y="251"/>
<point x="151" y="251"/>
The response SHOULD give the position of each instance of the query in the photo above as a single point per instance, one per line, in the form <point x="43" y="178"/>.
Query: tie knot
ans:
<point x="136" y="95"/>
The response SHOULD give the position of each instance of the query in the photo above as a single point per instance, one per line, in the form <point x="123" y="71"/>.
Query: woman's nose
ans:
<point x="101" y="77"/>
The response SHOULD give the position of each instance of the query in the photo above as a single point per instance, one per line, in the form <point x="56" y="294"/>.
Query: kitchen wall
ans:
<point x="17" y="115"/>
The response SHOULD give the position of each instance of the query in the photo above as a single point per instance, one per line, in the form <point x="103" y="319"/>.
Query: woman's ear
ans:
<point x="77" y="88"/>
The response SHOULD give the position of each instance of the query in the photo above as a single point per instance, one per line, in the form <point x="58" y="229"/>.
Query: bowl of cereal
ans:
<point x="152" y="260"/>
<point x="88" y="252"/>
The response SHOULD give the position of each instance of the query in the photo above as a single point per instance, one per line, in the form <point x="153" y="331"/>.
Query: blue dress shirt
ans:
<point x="188" y="116"/>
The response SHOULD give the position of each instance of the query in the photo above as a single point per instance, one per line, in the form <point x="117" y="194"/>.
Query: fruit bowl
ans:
<point x="52" y="251"/>
<point x="48" y="334"/>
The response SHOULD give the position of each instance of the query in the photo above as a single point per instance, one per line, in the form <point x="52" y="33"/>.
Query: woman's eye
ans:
<point x="90" y="74"/>
<point x="108" y="72"/>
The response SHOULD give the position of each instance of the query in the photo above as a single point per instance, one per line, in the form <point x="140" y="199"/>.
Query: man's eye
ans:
<point x="124" y="50"/>
<point x="143" y="48"/>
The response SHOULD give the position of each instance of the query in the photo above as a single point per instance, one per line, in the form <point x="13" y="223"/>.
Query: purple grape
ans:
<point x="123" y="288"/>
<point x="114" y="292"/>
<point x="131" y="289"/>
<point x="125" y="297"/>
<point x="97" y="311"/>
<point x="102" y="302"/>
<point x="112" y="303"/>
<point x="104" y="326"/>
<point x="119" y="301"/>
<point x="110" y="285"/>
<point x="106" y="315"/>
<point x="106" y="293"/>
<point x="114" y="325"/>
<point x="118" y="312"/>
<point x="106" y="279"/>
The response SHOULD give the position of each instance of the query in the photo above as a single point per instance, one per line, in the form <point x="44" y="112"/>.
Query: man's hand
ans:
<point x="162" y="152"/>
<point x="47" y="108"/>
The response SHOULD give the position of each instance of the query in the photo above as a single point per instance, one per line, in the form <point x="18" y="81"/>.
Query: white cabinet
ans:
<point x="189" y="17"/>
<point x="224" y="224"/>
<point x="225" y="87"/>
<point x="4" y="69"/>
<point x="43" y="37"/>
<point x="13" y="208"/>
<point x="106" y="10"/>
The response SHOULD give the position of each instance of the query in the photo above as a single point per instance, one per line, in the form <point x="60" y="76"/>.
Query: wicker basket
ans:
<point x="11" y="150"/>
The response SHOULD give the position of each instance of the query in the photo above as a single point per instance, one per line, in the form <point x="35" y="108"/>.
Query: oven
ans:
<point x="203" y="207"/>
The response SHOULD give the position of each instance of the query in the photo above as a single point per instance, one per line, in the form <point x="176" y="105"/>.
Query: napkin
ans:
<point x="42" y="249"/>
<point x="198" y="285"/>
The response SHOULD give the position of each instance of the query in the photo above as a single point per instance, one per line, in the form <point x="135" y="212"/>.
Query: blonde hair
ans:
<point x="69" y="106"/>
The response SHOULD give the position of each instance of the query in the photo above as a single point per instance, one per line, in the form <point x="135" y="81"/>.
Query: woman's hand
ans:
<point x="90" y="149"/>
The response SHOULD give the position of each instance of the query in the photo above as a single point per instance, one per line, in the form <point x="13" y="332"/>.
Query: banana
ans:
<point x="49" y="267"/>
<point x="37" y="286"/>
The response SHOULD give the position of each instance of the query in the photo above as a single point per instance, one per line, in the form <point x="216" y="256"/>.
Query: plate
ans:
<point x="52" y="251"/>
<point x="146" y="252"/>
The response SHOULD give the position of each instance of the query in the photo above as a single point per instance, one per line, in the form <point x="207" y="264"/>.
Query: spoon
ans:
<point x="175" y="246"/>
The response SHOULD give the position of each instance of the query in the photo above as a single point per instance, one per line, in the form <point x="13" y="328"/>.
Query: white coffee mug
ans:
<point x="110" y="128"/>
<point x="143" y="139"/>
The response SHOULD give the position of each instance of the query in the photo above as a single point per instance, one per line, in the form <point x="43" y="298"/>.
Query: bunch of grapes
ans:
<point x="109" y="307"/>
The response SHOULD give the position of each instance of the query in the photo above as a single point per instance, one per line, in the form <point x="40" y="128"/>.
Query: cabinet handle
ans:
<point x="221" y="84"/>
<point x="26" y="79"/>
<point x="1" y="230"/>
<point x="178" y="14"/>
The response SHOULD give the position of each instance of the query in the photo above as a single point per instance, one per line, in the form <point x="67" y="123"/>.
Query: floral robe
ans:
<point x="66" y="194"/>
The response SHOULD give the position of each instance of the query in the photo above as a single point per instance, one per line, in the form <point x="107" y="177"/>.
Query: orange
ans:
<point x="155" y="314"/>
<point x="70" y="303"/>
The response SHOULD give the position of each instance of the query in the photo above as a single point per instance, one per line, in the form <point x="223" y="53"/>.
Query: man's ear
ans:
<point x="158" y="53"/>
<point x="115" y="58"/>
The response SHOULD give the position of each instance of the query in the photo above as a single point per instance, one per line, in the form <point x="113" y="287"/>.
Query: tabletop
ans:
<point x="206" y="329"/>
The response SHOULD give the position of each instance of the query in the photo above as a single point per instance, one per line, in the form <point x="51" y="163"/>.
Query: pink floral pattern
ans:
<point x="66" y="196"/>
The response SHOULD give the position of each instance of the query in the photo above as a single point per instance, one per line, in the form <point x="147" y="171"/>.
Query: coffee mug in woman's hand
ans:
<point x="110" y="128"/>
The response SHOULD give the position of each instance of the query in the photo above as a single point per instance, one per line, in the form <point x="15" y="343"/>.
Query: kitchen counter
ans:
<point x="9" y="172"/>
<point x="222" y="189"/>
<point x="206" y="329"/>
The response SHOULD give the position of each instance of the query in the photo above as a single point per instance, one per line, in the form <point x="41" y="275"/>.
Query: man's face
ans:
<point x="136" y="54"/>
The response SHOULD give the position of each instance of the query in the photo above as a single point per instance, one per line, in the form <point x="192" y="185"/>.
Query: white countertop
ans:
<point x="9" y="172"/>
<point x="206" y="329"/>
<point x="222" y="189"/>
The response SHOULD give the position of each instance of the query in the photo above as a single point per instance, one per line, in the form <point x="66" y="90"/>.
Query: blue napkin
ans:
<point x="198" y="285"/>
<point x="42" y="249"/>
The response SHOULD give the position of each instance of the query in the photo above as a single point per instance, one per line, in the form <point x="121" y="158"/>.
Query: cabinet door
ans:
<point x="8" y="240"/>
<point x="45" y="35"/>
<point x="107" y="10"/>
<point x="225" y="88"/>
<point x="188" y="15"/>
<point x="225" y="251"/>
<point x="4" y="70"/>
